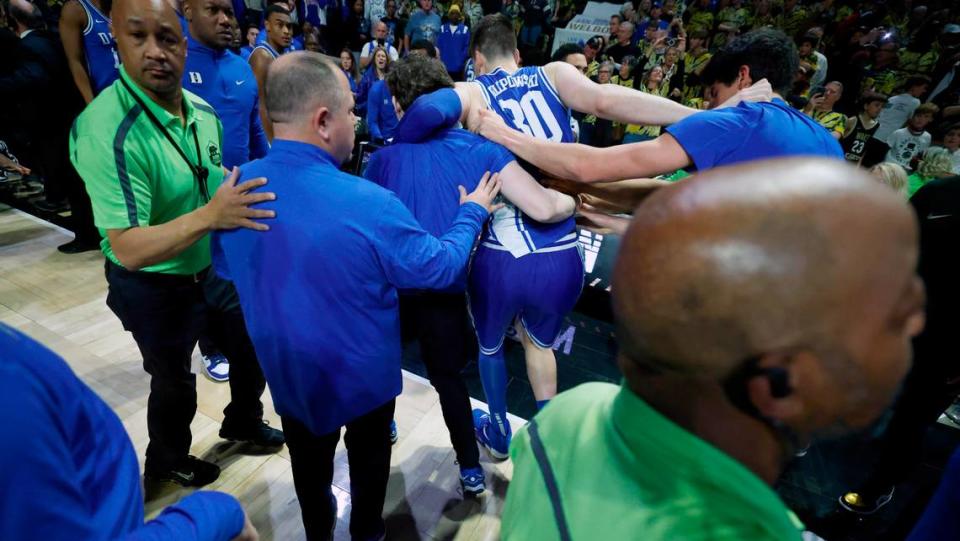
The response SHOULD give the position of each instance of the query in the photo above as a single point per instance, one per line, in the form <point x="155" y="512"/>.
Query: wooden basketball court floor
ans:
<point x="59" y="300"/>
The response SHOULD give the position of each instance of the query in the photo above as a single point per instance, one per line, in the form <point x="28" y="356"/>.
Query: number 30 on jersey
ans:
<point x="532" y="116"/>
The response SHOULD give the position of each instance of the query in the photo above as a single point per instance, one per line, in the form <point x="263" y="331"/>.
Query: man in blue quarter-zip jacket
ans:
<point x="68" y="469"/>
<point x="319" y="289"/>
<point x="224" y="80"/>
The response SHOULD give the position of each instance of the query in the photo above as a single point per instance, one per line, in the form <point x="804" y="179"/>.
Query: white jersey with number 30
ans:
<point x="527" y="102"/>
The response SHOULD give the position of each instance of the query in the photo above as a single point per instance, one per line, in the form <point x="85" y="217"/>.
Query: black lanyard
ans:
<point x="200" y="173"/>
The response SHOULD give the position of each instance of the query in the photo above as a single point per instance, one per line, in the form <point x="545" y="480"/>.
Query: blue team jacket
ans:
<point x="319" y="289"/>
<point x="454" y="45"/>
<point x="381" y="117"/>
<point x="68" y="470"/>
<point x="227" y="83"/>
<point x="424" y="168"/>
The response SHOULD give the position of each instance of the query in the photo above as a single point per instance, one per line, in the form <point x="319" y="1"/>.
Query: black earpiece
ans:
<point x="779" y="380"/>
<point x="735" y="385"/>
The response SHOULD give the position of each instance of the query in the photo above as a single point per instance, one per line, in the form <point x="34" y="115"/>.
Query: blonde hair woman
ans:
<point x="936" y="163"/>
<point x="891" y="174"/>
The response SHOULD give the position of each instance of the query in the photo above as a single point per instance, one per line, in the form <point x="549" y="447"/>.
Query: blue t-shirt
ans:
<point x="226" y="82"/>
<point x="68" y="470"/>
<point x="752" y="131"/>
<point x="319" y="289"/>
<point x="423" y="26"/>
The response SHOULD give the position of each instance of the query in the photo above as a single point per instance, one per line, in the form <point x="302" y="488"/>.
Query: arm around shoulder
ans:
<point x="413" y="258"/>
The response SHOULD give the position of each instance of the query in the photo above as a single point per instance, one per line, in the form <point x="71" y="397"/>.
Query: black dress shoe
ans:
<point x="77" y="246"/>
<point x="47" y="206"/>
<point x="260" y="434"/>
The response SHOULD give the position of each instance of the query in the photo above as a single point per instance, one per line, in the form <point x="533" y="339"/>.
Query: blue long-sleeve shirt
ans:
<point x="424" y="169"/>
<point x="454" y="45"/>
<point x="381" y="116"/>
<point x="319" y="289"/>
<point x="227" y="83"/>
<point x="68" y="469"/>
<point x="363" y="88"/>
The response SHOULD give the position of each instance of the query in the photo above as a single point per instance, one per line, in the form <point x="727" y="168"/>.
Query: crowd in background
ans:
<point x="881" y="76"/>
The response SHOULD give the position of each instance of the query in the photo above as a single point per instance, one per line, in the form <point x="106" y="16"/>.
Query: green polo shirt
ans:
<point x="134" y="175"/>
<point x="621" y="470"/>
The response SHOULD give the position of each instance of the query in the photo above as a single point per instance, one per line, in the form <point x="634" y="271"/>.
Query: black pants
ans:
<point x="61" y="181"/>
<point x="440" y="323"/>
<point x="166" y="314"/>
<point x="368" y="452"/>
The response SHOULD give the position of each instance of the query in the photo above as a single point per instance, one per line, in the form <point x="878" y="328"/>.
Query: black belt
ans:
<point x="159" y="278"/>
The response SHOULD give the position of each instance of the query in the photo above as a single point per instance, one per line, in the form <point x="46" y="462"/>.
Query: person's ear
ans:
<point x="479" y="62"/>
<point x="187" y="12"/>
<point x="320" y="122"/>
<point x="516" y="56"/>
<point x="770" y="389"/>
<point x="773" y="387"/>
<point x="743" y="78"/>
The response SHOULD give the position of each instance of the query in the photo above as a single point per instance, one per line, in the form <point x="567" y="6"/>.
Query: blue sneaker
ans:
<point x="216" y="367"/>
<point x="494" y="437"/>
<point x="394" y="434"/>
<point x="473" y="481"/>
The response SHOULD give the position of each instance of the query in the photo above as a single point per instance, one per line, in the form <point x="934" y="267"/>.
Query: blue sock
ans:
<point x="541" y="404"/>
<point x="493" y="375"/>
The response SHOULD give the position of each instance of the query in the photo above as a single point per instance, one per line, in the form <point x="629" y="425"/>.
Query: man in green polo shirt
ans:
<point x="149" y="154"/>
<point x="757" y="306"/>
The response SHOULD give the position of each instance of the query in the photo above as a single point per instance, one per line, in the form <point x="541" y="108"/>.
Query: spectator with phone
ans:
<point x="820" y="108"/>
<point x="380" y="32"/>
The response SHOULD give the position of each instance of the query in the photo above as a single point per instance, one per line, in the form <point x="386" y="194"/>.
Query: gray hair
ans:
<point x="299" y="82"/>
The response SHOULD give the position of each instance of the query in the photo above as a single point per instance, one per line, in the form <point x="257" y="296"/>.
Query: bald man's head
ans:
<point x="380" y="30"/>
<point x="807" y="265"/>
<point x="151" y="45"/>
<point x="308" y="98"/>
